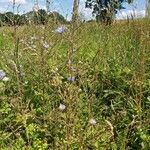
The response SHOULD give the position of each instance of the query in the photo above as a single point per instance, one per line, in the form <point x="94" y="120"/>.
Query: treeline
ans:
<point x="39" y="17"/>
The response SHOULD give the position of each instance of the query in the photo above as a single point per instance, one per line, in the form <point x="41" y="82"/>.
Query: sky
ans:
<point x="64" y="7"/>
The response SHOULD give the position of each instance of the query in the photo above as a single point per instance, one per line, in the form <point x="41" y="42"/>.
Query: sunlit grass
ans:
<point x="85" y="88"/>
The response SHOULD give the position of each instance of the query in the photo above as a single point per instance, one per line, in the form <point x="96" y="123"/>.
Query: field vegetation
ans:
<point x="84" y="87"/>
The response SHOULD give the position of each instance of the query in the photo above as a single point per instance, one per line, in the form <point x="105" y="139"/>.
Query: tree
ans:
<point x="56" y="17"/>
<point x="23" y="19"/>
<point x="47" y="6"/>
<point x="38" y="18"/>
<point x="9" y="18"/>
<point x="2" y="19"/>
<point x="148" y="8"/>
<point x="105" y="10"/>
<point x="75" y="13"/>
<point x="42" y="16"/>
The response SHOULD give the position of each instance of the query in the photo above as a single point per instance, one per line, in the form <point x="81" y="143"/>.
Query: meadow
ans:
<point x="84" y="88"/>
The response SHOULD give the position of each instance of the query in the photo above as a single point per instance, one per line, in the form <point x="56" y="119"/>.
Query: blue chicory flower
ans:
<point x="60" y="29"/>
<point x="45" y="45"/>
<point x="71" y="79"/>
<point x="2" y="74"/>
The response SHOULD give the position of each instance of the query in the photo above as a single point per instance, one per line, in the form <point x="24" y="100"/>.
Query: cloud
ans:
<point x="130" y="13"/>
<point x="85" y="13"/>
<point x="6" y="5"/>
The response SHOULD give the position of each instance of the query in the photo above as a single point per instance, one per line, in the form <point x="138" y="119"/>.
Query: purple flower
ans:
<point x="71" y="79"/>
<point x="45" y="45"/>
<point x="2" y="74"/>
<point x="60" y="29"/>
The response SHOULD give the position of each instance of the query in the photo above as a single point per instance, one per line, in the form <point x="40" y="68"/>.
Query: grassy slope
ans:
<point x="111" y="66"/>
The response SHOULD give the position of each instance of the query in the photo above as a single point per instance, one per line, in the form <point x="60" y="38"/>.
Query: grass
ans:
<point x="106" y="106"/>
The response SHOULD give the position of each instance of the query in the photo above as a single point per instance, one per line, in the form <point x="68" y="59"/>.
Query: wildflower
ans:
<point x="60" y="29"/>
<point x="56" y="69"/>
<point x="80" y="90"/>
<point x="5" y="79"/>
<point x="2" y="74"/>
<point x="80" y="62"/>
<point x="74" y="50"/>
<point x="26" y="82"/>
<point x="61" y="77"/>
<point x="62" y="107"/>
<point x="71" y="79"/>
<point x="92" y="121"/>
<point x="45" y="45"/>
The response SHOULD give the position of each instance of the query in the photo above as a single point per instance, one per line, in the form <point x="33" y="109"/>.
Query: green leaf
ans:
<point x="130" y="1"/>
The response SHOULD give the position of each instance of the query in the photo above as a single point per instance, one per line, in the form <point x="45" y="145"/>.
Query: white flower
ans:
<point x="26" y="82"/>
<point x="62" y="107"/>
<point x="5" y="79"/>
<point x="56" y="69"/>
<point x="61" y="77"/>
<point x="80" y="62"/>
<point x="80" y="90"/>
<point x="92" y="121"/>
<point x="74" y="50"/>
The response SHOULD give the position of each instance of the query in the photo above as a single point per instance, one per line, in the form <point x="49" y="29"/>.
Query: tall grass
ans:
<point x="86" y="88"/>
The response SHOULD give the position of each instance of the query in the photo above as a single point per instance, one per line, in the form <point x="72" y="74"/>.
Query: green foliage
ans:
<point x="39" y="17"/>
<point x="105" y="10"/>
<point x="106" y="104"/>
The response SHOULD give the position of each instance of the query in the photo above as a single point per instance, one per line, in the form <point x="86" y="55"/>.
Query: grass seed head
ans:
<point x="62" y="107"/>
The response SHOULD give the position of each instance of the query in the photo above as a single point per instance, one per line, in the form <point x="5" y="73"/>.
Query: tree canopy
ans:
<point x="105" y="10"/>
<point x="39" y="17"/>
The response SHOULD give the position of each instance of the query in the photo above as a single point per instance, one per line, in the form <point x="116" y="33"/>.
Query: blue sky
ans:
<point x="65" y="7"/>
